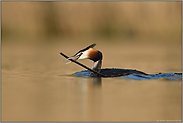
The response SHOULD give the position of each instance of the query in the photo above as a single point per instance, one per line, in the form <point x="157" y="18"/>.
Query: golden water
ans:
<point x="37" y="85"/>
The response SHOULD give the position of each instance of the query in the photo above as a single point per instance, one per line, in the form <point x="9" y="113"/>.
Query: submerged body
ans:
<point x="114" y="72"/>
<point x="110" y="72"/>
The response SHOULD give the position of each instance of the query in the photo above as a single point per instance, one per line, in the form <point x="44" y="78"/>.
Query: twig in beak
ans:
<point x="71" y="58"/>
<point x="82" y="65"/>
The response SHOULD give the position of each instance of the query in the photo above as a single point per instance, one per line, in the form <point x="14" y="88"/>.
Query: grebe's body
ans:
<point x="96" y="57"/>
<point x="110" y="72"/>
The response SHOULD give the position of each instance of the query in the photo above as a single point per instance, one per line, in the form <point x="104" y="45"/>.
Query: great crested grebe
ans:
<point x="96" y="57"/>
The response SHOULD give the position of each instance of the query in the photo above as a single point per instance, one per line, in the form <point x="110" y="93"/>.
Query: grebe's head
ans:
<point x="88" y="53"/>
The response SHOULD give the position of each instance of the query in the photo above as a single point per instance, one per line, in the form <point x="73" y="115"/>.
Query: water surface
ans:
<point x="37" y="85"/>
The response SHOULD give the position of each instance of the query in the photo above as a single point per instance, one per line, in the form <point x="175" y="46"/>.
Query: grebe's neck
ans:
<point x="97" y="65"/>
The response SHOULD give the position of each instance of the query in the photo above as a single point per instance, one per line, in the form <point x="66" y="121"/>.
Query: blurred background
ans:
<point x="37" y="85"/>
<point x="48" y="21"/>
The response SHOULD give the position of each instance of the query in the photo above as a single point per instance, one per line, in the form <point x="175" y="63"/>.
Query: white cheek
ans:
<point x="84" y="55"/>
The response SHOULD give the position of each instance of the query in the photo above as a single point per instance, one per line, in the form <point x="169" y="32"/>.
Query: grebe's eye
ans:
<point x="79" y="54"/>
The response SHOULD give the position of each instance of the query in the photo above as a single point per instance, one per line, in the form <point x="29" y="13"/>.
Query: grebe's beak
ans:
<point x="75" y="56"/>
<point x="82" y="54"/>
